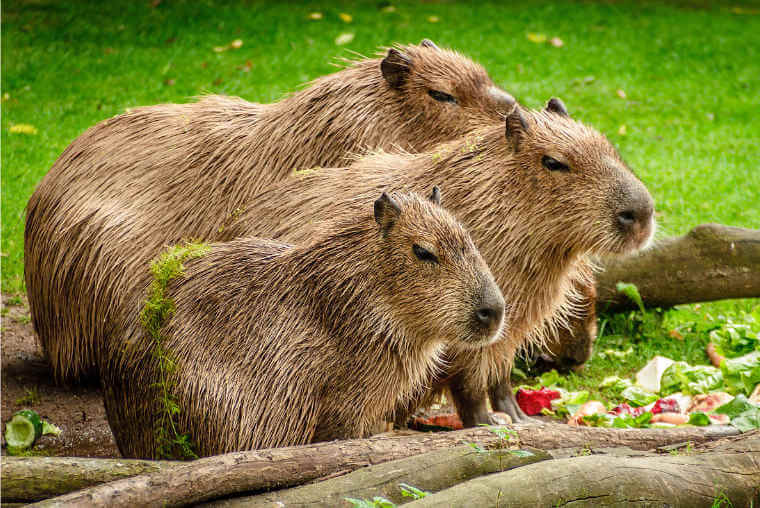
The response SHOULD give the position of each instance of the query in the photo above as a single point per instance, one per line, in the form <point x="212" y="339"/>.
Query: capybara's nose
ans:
<point x="488" y="316"/>
<point x="626" y="218"/>
<point x="490" y="309"/>
<point x="635" y="207"/>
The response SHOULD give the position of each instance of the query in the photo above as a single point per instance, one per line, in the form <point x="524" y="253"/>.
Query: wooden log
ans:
<point x="430" y="472"/>
<point x="605" y="480"/>
<point x="225" y="475"/>
<point x="710" y="262"/>
<point x="35" y="478"/>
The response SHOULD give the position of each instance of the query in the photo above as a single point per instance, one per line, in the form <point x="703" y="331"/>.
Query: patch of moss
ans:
<point x="156" y="313"/>
<point x="306" y="172"/>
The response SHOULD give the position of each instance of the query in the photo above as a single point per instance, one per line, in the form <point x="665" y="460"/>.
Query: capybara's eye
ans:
<point x="553" y="164"/>
<point x="424" y="254"/>
<point x="441" y="96"/>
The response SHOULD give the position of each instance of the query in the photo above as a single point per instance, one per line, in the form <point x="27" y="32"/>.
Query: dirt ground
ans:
<point x="27" y="383"/>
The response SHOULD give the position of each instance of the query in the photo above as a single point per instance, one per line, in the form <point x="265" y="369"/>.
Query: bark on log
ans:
<point x="432" y="472"/>
<point x="35" y="478"/>
<point x="599" y="480"/>
<point x="224" y="475"/>
<point x="711" y="262"/>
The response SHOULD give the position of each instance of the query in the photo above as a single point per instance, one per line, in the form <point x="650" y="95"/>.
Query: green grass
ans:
<point x="690" y="72"/>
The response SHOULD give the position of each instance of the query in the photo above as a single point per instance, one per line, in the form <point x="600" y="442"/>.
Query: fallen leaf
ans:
<point x="536" y="38"/>
<point x="109" y="51"/>
<point x="204" y="64"/>
<point x="742" y="10"/>
<point x="236" y="44"/>
<point x="169" y="82"/>
<point x="620" y="93"/>
<point x="556" y="42"/>
<point x="675" y="334"/>
<point x="23" y="128"/>
<point x="247" y="67"/>
<point x="344" y="38"/>
<point x="389" y="9"/>
<point x="347" y="18"/>
<point x="219" y="49"/>
<point x="434" y="19"/>
<point x="217" y="82"/>
<point x="315" y="15"/>
<point x="622" y="130"/>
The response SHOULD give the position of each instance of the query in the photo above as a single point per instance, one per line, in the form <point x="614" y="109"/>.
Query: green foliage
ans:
<point x="682" y="377"/>
<point x="632" y="292"/>
<point x="637" y="396"/>
<point x="622" y="421"/>
<point x="736" y="339"/>
<point x="699" y="418"/>
<point x="157" y="310"/>
<point x="740" y="375"/>
<point x="375" y="502"/>
<point x="413" y="492"/>
<point x="31" y="397"/>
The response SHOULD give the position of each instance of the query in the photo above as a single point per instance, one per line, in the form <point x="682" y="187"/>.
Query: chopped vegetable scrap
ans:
<point x="532" y="402"/>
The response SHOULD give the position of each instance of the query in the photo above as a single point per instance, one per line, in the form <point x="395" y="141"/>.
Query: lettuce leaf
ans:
<point x="748" y="420"/>
<point x="741" y="374"/>
<point x="638" y="396"/>
<point x="699" y="418"/>
<point x="682" y="377"/>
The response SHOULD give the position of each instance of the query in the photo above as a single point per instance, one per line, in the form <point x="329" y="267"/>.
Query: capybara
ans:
<point x="571" y="347"/>
<point x="276" y="345"/>
<point x="538" y="195"/>
<point x="156" y="175"/>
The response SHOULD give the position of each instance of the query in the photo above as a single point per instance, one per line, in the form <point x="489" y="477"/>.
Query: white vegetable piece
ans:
<point x="649" y="377"/>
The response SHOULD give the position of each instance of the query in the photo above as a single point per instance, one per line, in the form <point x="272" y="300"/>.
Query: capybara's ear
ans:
<point x="427" y="43"/>
<point x="395" y="67"/>
<point x="501" y="97"/>
<point x="387" y="212"/>
<point x="435" y="197"/>
<point x="555" y="105"/>
<point x="516" y="127"/>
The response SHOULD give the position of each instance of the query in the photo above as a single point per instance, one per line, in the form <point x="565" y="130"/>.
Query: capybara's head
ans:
<point x="438" y="285"/>
<point x="443" y="89"/>
<point x="578" y="191"/>
<point x="571" y="347"/>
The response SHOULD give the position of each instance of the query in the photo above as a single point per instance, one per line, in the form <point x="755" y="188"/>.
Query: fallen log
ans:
<point x="710" y="262"/>
<point x="260" y="470"/>
<point x="431" y="472"/>
<point x="608" y="480"/>
<point x="35" y="478"/>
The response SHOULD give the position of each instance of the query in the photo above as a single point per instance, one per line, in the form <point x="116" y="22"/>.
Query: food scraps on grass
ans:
<point x="532" y="402"/>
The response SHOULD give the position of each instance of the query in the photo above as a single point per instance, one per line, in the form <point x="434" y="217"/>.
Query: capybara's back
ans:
<point x="272" y="345"/>
<point x="155" y="175"/>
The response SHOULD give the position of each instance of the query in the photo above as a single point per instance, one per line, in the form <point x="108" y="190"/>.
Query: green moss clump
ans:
<point x="156" y="313"/>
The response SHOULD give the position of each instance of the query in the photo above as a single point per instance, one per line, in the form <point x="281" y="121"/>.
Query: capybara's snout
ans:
<point x="634" y="215"/>
<point x="488" y="312"/>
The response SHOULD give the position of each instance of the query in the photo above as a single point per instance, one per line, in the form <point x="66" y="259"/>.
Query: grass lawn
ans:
<point x="676" y="87"/>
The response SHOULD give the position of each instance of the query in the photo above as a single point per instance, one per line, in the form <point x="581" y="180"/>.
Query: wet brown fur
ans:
<point x="320" y="341"/>
<point x="156" y="175"/>
<point x="536" y="228"/>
